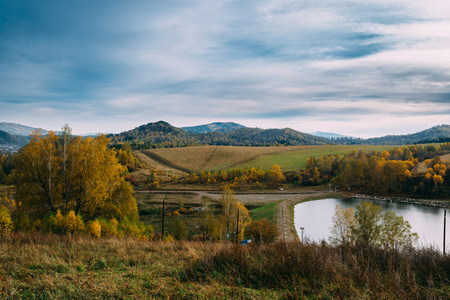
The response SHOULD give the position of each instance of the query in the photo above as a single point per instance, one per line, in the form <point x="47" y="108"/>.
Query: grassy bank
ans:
<point x="268" y="211"/>
<point x="65" y="267"/>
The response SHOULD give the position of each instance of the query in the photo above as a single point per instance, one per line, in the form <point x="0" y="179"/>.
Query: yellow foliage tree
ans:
<point x="234" y="215"/>
<point x="6" y="224"/>
<point x="74" y="223"/>
<point x="94" y="228"/>
<point x="276" y="175"/>
<point x="72" y="173"/>
<point x="263" y="231"/>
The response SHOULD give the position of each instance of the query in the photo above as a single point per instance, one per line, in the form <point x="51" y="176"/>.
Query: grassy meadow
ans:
<point x="215" y="158"/>
<point x="38" y="266"/>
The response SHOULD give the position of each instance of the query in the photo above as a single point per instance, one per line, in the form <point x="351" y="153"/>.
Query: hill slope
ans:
<point x="17" y="129"/>
<point x="162" y="135"/>
<point x="429" y="135"/>
<point x="214" y="127"/>
<point x="7" y="139"/>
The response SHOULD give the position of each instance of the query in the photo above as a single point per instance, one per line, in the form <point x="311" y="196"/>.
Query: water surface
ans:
<point x="428" y="222"/>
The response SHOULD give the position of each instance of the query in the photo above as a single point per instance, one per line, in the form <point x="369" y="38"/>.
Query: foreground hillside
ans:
<point x="65" y="267"/>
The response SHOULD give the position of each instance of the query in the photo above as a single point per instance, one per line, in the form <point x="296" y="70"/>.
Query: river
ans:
<point x="428" y="222"/>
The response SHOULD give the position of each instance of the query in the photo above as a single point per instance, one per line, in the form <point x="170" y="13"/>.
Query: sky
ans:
<point x="359" y="68"/>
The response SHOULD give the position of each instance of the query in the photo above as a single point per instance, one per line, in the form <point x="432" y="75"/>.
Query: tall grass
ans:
<point x="39" y="266"/>
<point x="321" y="271"/>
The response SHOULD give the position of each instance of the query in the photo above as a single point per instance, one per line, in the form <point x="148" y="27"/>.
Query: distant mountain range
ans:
<point x="12" y="140"/>
<point x="214" y="127"/>
<point x="329" y="135"/>
<point x="162" y="134"/>
<point x="17" y="129"/>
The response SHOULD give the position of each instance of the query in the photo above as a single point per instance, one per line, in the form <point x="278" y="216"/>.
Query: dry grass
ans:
<point x="422" y="168"/>
<point x="65" y="267"/>
<point x="214" y="158"/>
<point x="54" y="267"/>
<point x="152" y="164"/>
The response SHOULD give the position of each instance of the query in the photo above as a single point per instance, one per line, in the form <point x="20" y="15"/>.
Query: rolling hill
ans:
<point x="163" y="135"/>
<point x="214" y="127"/>
<point x="17" y="129"/>
<point x="12" y="140"/>
<point x="433" y="134"/>
<point x="215" y="158"/>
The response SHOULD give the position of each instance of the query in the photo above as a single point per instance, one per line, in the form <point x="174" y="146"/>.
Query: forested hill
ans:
<point x="7" y="139"/>
<point x="162" y="134"/>
<point x="18" y="129"/>
<point x="214" y="127"/>
<point x="435" y="134"/>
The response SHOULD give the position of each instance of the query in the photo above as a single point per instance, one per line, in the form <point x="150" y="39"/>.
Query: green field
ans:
<point x="267" y="211"/>
<point x="215" y="158"/>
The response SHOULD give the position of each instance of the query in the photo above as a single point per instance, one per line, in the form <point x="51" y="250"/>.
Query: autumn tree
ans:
<point x="72" y="174"/>
<point x="396" y="231"/>
<point x="234" y="215"/>
<point x="276" y="176"/>
<point x="343" y="222"/>
<point x="178" y="229"/>
<point x="6" y="224"/>
<point x="263" y="231"/>
<point x="368" y="225"/>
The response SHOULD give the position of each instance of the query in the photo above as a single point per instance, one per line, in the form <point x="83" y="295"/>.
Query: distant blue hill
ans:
<point x="214" y="127"/>
<point x="13" y="140"/>
<point x="328" y="135"/>
<point x="17" y="129"/>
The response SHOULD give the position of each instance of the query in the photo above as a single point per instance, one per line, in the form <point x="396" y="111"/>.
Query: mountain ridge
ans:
<point x="163" y="134"/>
<point x="214" y="127"/>
<point x="18" y="129"/>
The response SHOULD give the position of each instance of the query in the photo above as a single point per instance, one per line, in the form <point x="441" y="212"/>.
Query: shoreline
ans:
<point x="433" y="203"/>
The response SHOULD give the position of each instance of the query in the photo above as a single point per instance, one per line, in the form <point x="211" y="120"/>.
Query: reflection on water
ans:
<point x="428" y="222"/>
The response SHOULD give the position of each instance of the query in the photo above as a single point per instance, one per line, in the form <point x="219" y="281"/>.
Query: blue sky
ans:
<point x="361" y="68"/>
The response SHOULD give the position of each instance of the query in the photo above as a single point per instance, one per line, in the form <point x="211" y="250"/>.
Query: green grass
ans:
<point x="268" y="211"/>
<point x="215" y="158"/>
<point x="295" y="159"/>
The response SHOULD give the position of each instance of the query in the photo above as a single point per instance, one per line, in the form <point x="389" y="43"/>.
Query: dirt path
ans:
<point x="285" y="214"/>
<point x="285" y="217"/>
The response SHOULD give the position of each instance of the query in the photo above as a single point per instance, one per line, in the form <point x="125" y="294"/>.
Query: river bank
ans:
<point x="433" y="203"/>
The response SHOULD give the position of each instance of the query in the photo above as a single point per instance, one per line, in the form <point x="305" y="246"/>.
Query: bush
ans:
<point x="109" y="228"/>
<point x="263" y="231"/>
<point x="6" y="224"/>
<point x="94" y="228"/>
<point x="136" y="229"/>
<point x="178" y="229"/>
<point x="73" y="223"/>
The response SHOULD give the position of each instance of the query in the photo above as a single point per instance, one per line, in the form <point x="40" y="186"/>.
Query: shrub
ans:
<point x="73" y="223"/>
<point x="263" y="231"/>
<point x="178" y="229"/>
<point x="94" y="228"/>
<point x="6" y="224"/>
<point x="136" y="229"/>
<point x="109" y="228"/>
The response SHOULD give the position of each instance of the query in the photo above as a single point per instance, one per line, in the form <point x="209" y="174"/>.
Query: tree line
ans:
<point x="391" y="171"/>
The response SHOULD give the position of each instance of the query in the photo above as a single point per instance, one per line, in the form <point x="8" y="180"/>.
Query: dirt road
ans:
<point x="285" y="217"/>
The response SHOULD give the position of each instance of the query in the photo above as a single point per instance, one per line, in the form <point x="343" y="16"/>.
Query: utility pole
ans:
<point x="302" y="229"/>
<point x="237" y="227"/>
<point x="163" y="215"/>
<point x="445" y="219"/>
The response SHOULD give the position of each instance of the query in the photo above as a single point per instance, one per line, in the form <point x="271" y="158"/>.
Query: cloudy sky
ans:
<point x="361" y="68"/>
